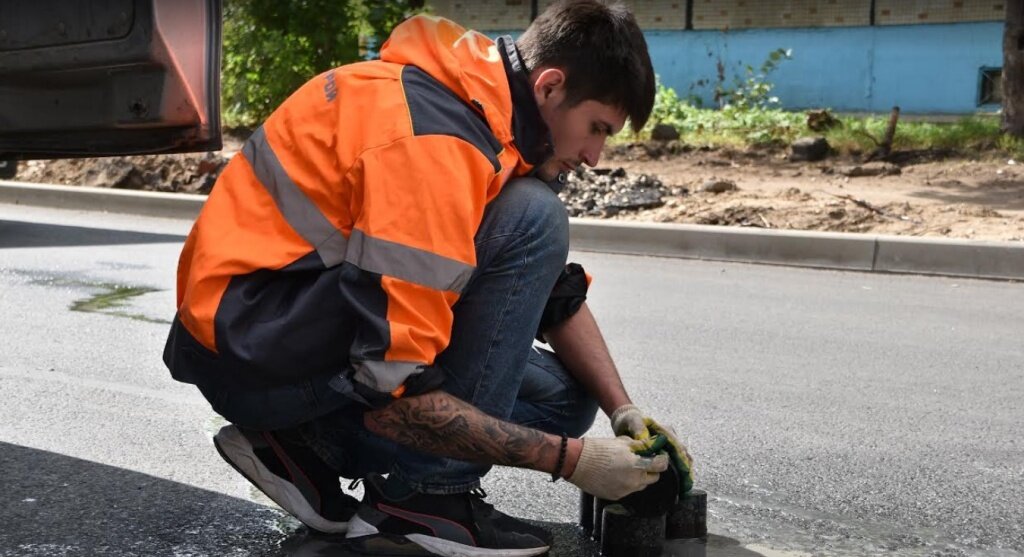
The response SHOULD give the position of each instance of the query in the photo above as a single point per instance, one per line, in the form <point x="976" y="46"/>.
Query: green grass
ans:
<point x="969" y="135"/>
<point x="754" y="128"/>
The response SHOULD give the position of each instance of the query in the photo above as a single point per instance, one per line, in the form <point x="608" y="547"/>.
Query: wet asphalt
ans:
<point x="829" y="413"/>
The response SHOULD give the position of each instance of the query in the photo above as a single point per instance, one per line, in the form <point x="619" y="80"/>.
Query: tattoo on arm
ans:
<point x="441" y="424"/>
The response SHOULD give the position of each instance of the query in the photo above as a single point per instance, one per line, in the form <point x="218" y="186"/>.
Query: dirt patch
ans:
<point x="918" y="193"/>
<point x="926" y="193"/>
<point x="184" y="173"/>
<point x="168" y="173"/>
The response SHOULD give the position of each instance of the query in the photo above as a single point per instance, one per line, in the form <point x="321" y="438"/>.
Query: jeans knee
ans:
<point x="546" y="210"/>
<point x="536" y="211"/>
<point x="552" y="398"/>
<point x="583" y="415"/>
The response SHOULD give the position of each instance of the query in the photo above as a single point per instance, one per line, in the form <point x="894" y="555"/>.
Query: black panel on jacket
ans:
<point x="275" y="328"/>
<point x="436" y="110"/>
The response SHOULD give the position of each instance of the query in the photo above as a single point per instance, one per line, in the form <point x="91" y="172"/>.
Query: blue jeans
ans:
<point x="521" y="248"/>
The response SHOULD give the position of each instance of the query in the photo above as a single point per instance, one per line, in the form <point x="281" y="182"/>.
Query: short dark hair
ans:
<point x="602" y="51"/>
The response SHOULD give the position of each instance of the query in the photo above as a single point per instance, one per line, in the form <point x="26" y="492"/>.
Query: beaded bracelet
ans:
<point x="557" y="474"/>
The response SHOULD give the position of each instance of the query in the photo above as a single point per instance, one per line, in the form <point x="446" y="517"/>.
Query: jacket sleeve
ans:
<point x="422" y="200"/>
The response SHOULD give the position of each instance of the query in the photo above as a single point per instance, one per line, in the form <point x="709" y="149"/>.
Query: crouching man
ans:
<point x="361" y="292"/>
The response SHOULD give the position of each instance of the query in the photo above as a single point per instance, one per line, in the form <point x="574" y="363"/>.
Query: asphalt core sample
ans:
<point x="647" y="522"/>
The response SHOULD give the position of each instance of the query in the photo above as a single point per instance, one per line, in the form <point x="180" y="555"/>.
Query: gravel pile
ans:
<point x="606" y="192"/>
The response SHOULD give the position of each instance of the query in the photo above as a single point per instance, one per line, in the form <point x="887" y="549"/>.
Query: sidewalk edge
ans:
<point x="827" y="250"/>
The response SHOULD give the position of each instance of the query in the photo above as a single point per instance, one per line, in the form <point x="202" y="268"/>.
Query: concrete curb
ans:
<point x="145" y="203"/>
<point x="828" y="250"/>
<point x="857" y="252"/>
<point x="723" y="243"/>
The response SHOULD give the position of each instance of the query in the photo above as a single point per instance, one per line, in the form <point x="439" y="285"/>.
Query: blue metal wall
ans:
<point x="922" y="68"/>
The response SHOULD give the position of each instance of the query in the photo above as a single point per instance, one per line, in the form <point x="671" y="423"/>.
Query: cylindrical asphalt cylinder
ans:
<point x="626" y="534"/>
<point x="656" y="499"/>
<point x="689" y="517"/>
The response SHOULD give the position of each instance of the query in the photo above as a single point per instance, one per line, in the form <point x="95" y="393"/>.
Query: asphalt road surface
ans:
<point x="829" y="413"/>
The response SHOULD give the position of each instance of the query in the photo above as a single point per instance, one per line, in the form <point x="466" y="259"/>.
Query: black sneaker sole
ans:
<point x="360" y="529"/>
<point x="237" y="451"/>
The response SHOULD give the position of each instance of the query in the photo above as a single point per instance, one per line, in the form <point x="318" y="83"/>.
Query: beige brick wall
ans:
<point x="659" y="14"/>
<point x="747" y="14"/>
<point x="484" y="15"/>
<point x="492" y="15"/>
<point x="650" y="14"/>
<point x="903" y="12"/>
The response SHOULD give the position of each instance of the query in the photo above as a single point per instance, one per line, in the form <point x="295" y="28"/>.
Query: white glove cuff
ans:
<point x="594" y="458"/>
<point x="621" y="411"/>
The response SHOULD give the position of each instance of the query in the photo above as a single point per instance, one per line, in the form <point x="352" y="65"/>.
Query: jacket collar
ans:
<point x="530" y="134"/>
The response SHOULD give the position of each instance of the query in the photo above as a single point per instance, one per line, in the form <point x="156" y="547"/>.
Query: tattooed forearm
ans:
<point x="441" y="424"/>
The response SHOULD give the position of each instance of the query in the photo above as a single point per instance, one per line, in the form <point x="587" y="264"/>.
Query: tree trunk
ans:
<point x="1013" y="69"/>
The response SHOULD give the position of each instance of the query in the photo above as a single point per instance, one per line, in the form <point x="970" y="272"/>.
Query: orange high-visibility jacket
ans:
<point x="337" y="240"/>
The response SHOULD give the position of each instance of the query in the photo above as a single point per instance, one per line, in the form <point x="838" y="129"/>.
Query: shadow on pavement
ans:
<point x="569" y="542"/>
<point x="18" y="234"/>
<point x="59" y="505"/>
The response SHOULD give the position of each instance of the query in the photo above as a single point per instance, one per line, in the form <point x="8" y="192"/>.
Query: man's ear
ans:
<point x="549" y="87"/>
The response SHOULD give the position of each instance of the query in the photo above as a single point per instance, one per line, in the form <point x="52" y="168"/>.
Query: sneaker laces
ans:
<point x="477" y="496"/>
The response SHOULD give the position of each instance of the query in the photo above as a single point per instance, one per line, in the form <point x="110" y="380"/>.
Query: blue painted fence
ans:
<point x="931" y="69"/>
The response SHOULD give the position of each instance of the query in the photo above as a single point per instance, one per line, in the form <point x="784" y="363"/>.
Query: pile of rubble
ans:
<point x="187" y="173"/>
<point x="606" y="192"/>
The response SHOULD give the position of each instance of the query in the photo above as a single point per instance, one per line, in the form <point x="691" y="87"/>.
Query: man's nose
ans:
<point x="592" y="154"/>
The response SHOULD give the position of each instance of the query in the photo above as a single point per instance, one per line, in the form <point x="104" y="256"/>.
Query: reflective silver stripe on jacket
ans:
<point x="366" y="252"/>
<point x="385" y="376"/>
<point x="407" y="263"/>
<point x="298" y="209"/>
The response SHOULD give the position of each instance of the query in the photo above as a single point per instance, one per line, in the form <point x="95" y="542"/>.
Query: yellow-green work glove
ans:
<point x="656" y="439"/>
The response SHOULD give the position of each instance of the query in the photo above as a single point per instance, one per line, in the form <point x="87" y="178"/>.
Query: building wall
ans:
<point x="499" y="15"/>
<point x="923" y="55"/>
<point x="484" y="15"/>
<point x="904" y="12"/>
<point x="921" y="68"/>
<point x="492" y="15"/>
<point x="753" y="14"/>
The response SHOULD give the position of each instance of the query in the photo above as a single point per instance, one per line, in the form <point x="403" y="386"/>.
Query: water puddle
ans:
<point x="108" y="298"/>
<point x="113" y="299"/>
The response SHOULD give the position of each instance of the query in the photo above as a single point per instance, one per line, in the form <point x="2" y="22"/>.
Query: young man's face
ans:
<point x="579" y="132"/>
